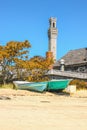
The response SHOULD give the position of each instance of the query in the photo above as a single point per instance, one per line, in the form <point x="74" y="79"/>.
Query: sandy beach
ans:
<point x="26" y="110"/>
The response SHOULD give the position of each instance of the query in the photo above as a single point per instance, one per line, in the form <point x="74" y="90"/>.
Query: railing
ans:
<point x="68" y="74"/>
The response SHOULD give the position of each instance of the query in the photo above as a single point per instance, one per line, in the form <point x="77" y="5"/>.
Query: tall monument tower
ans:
<point x="52" y="36"/>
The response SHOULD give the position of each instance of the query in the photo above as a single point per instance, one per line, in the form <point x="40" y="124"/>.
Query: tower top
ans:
<point x="52" y="22"/>
<point x="52" y="18"/>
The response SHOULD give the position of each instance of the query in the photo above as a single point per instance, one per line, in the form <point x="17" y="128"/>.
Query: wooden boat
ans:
<point x="33" y="86"/>
<point x="58" y="84"/>
<point x="42" y="86"/>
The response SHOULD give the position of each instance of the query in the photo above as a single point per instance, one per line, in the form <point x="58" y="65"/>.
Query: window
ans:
<point x="53" y="25"/>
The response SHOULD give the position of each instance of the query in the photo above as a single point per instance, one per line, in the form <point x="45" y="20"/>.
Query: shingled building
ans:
<point x="74" y="60"/>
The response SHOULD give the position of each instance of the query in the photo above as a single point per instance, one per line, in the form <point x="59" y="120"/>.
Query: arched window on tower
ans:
<point x="53" y="25"/>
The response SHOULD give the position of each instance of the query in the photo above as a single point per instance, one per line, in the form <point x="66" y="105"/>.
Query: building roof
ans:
<point x="77" y="56"/>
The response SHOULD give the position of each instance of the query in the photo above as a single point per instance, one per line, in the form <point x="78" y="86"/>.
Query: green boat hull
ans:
<point x="58" y="84"/>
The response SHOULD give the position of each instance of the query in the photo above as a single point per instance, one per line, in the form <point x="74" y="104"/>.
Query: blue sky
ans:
<point x="28" y="20"/>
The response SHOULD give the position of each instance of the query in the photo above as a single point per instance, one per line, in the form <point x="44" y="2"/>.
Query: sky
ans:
<point x="29" y="20"/>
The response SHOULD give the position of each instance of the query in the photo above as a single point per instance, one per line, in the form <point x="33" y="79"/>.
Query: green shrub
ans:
<point x="80" y="84"/>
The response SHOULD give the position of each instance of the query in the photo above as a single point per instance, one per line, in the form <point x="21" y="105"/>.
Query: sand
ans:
<point x="48" y="111"/>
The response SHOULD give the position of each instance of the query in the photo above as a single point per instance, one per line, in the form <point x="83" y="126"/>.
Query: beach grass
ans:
<point x="7" y="86"/>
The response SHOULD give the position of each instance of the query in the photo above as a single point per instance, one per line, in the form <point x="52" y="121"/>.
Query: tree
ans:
<point x="37" y="67"/>
<point x="10" y="55"/>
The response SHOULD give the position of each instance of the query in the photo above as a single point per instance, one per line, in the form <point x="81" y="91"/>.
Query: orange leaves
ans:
<point x="14" y="49"/>
<point x="37" y="67"/>
<point x="40" y="62"/>
<point x="3" y="53"/>
<point x="17" y="48"/>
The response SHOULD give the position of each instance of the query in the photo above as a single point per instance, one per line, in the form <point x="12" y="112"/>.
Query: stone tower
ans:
<point x="52" y="36"/>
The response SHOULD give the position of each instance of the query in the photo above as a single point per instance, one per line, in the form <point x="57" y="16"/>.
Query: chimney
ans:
<point x="49" y="55"/>
<point x="62" y="64"/>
